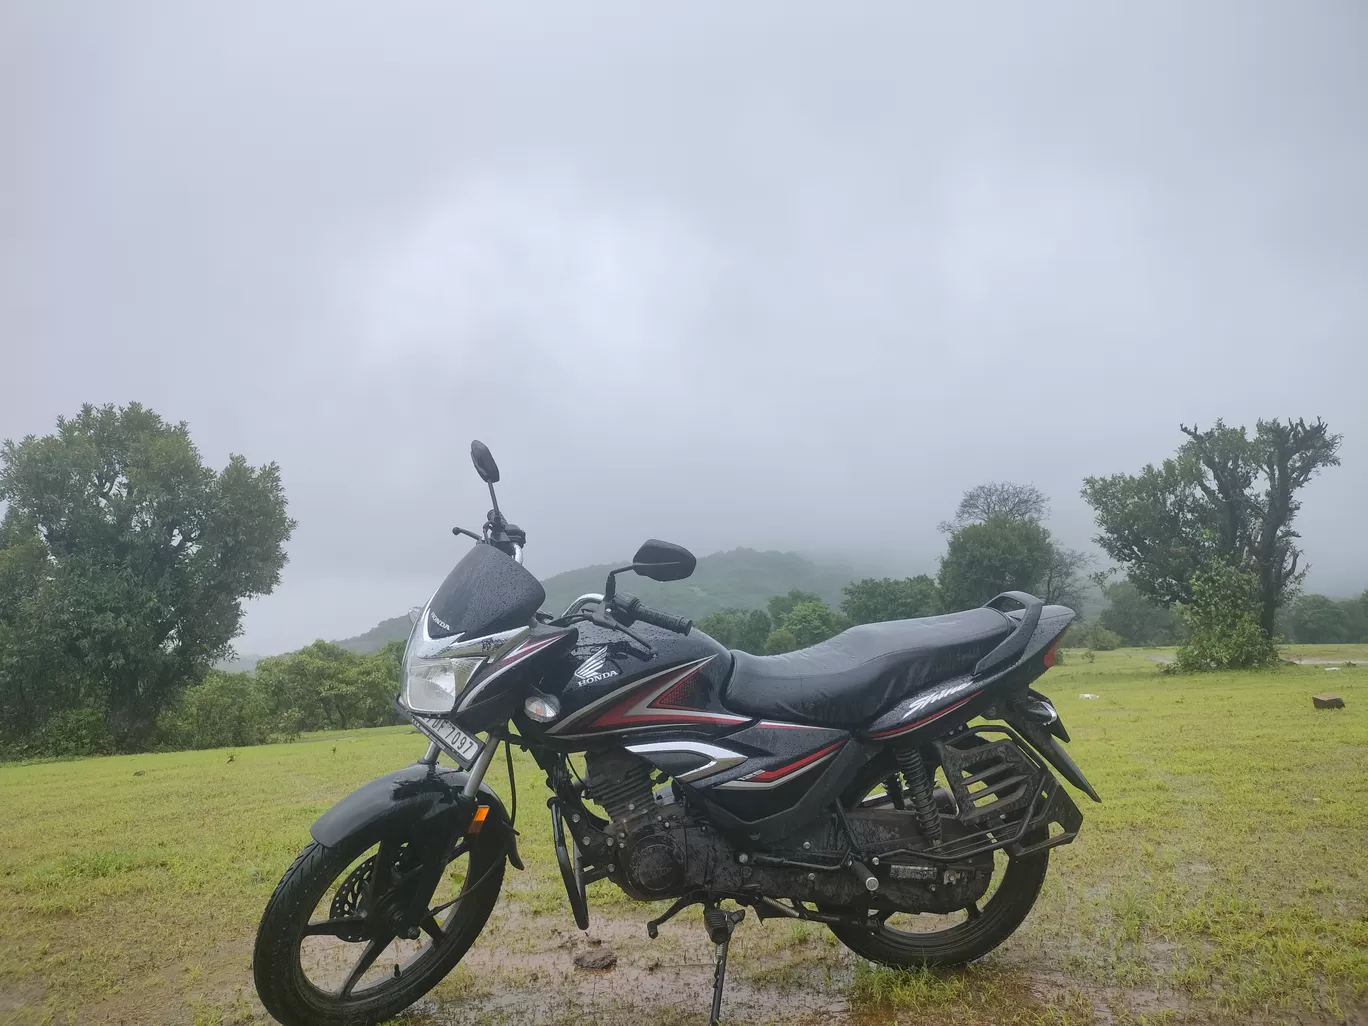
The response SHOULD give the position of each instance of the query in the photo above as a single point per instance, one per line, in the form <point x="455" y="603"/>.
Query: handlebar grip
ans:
<point x="630" y="606"/>
<point x="678" y="624"/>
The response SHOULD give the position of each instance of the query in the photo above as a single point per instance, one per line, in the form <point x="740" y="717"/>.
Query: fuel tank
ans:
<point x="613" y="689"/>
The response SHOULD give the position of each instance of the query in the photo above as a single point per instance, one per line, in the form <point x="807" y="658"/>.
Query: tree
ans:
<point x="876" y="599"/>
<point x="738" y="629"/>
<point x="127" y="560"/>
<point x="1317" y="620"/>
<point x="1062" y="581"/>
<point x="1093" y="636"/>
<point x="998" y="499"/>
<point x="324" y="686"/>
<point x="813" y="622"/>
<point x="1224" y="496"/>
<point x="780" y="641"/>
<point x="781" y="605"/>
<point x="997" y="555"/>
<point x="1137" y="621"/>
<point x="1224" y="632"/>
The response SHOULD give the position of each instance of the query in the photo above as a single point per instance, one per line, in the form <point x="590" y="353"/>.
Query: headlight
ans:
<point x="437" y="670"/>
<point x="431" y="685"/>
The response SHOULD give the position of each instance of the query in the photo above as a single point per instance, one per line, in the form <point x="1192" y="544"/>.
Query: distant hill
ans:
<point x="739" y="579"/>
<point x="380" y="635"/>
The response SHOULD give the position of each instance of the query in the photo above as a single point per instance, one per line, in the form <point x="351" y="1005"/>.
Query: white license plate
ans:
<point x="450" y="739"/>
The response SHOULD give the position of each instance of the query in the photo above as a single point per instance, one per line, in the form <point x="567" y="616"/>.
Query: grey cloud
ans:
<point x="705" y="273"/>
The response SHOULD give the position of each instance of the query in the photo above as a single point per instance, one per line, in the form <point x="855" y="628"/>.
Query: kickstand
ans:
<point x="720" y="925"/>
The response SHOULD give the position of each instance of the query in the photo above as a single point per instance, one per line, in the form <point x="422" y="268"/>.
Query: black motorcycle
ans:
<point x="857" y="783"/>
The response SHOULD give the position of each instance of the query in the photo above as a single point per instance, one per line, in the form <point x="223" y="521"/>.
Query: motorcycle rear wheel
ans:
<point x="982" y="929"/>
<point x="324" y="899"/>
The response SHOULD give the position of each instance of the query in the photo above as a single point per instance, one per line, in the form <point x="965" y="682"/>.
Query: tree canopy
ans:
<point x="124" y="561"/>
<point x="996" y="499"/>
<point x="1136" y="620"/>
<point x="1225" y="495"/>
<point x="876" y="599"/>
<point x="1000" y="554"/>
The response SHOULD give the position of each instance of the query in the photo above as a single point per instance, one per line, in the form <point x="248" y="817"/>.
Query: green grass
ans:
<point x="1226" y="870"/>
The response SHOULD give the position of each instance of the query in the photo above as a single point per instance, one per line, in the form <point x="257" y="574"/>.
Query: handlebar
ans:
<point x="628" y="609"/>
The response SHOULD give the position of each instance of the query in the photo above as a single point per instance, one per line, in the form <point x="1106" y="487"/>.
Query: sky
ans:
<point x="778" y="275"/>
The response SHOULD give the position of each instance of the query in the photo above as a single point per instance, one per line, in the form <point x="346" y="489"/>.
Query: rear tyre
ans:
<point x="981" y="930"/>
<point x="319" y="962"/>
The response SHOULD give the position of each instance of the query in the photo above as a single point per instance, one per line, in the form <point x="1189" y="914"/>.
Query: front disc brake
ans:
<point x="346" y="902"/>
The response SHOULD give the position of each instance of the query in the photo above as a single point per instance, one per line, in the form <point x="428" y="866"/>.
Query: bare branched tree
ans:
<point x="999" y="499"/>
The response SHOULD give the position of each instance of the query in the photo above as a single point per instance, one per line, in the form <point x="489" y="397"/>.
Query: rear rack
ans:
<point x="1048" y="804"/>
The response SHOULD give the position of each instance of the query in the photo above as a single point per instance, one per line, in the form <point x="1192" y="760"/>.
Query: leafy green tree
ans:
<point x="1225" y="496"/>
<point x="781" y="605"/>
<point x="1060" y="579"/>
<point x="813" y="622"/>
<point x="997" y="555"/>
<point x="227" y="709"/>
<point x="780" y="641"/>
<point x="1093" y="636"/>
<point x="755" y="632"/>
<point x="1224" y="632"/>
<point x="738" y="629"/>
<point x="876" y="599"/>
<point x="1318" y="620"/>
<point x="143" y="558"/>
<point x="325" y="687"/>
<point x="1357" y="612"/>
<point x="1138" y="621"/>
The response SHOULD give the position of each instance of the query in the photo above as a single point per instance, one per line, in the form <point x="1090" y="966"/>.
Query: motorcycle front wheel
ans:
<point x="327" y="952"/>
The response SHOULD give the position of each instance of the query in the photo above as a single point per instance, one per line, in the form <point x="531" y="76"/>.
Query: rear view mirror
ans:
<point x="662" y="561"/>
<point x="484" y="462"/>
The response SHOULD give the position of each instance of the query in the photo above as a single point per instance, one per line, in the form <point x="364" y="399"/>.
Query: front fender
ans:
<point x="419" y="796"/>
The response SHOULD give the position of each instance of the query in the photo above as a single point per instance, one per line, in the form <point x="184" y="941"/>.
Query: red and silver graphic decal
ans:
<point x="719" y="758"/>
<point x="762" y="780"/>
<point x="884" y="735"/>
<point x="511" y="659"/>
<point x="653" y="701"/>
<point x="781" y="725"/>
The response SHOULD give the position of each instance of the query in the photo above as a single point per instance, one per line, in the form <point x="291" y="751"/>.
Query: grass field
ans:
<point x="1224" y="879"/>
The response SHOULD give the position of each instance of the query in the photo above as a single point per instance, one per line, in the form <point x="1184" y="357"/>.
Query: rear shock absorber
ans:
<point x="918" y="783"/>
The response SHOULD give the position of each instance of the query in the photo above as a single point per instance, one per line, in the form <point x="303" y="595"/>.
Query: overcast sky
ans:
<point x="774" y="275"/>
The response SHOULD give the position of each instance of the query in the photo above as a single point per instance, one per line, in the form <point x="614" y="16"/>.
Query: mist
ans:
<point x="792" y="276"/>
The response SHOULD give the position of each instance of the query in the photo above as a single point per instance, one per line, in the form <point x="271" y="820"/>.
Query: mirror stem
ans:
<point x="492" y="499"/>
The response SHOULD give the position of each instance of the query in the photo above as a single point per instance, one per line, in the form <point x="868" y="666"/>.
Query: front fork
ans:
<point x="437" y="848"/>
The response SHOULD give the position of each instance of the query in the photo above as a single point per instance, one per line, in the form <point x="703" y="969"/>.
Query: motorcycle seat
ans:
<point x="849" y="680"/>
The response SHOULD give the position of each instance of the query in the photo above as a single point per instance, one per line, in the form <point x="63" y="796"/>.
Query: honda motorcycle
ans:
<point x="893" y="783"/>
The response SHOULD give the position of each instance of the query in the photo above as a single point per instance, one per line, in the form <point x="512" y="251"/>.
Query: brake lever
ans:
<point x="613" y="625"/>
<point x="608" y="625"/>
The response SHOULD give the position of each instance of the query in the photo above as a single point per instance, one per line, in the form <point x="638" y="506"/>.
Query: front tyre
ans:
<point x="326" y="951"/>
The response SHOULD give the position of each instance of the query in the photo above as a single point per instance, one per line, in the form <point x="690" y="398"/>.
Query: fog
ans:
<point x="785" y="276"/>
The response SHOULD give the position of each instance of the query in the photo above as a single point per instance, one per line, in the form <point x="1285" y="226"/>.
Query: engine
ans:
<point x="639" y="822"/>
<point x="657" y="848"/>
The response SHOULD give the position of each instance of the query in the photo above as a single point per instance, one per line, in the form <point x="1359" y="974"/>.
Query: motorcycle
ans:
<point x="893" y="783"/>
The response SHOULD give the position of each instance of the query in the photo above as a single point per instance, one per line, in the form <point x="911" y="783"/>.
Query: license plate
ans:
<point x="450" y="739"/>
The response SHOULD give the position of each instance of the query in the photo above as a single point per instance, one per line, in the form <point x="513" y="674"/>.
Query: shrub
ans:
<point x="1093" y="636"/>
<point x="67" y="734"/>
<point x="226" y="709"/>
<point x="1223" y="622"/>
